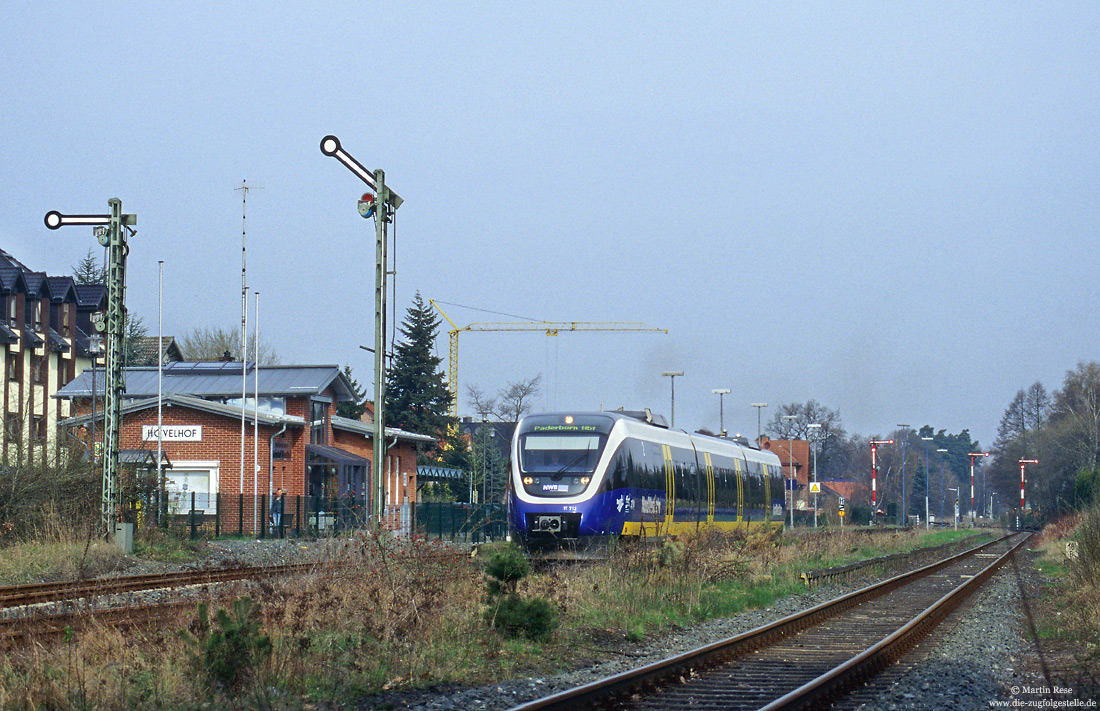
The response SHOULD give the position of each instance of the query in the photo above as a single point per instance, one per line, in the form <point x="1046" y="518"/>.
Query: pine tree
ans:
<point x="89" y="270"/>
<point x="417" y="398"/>
<point x="353" y="410"/>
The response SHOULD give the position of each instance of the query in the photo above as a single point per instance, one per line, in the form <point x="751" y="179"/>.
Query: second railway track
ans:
<point x="804" y="660"/>
<point x="37" y="593"/>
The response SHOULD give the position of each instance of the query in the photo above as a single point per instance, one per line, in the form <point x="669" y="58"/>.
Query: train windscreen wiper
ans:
<point x="575" y="462"/>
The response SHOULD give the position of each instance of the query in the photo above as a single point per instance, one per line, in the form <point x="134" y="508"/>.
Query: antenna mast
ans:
<point x="245" y="187"/>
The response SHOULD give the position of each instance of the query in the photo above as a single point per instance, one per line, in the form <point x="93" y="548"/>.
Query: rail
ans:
<point x="893" y="561"/>
<point x="634" y="683"/>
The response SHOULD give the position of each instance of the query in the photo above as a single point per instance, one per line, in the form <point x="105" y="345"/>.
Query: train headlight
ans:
<point x="585" y="480"/>
<point x="528" y="480"/>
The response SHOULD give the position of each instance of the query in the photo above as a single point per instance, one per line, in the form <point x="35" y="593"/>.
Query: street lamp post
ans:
<point x="671" y="375"/>
<point x="790" y="461"/>
<point x="759" y="407"/>
<point x="956" y="517"/>
<point x="927" y="525"/>
<point x="972" y="455"/>
<point x="816" y="427"/>
<point x="904" y="430"/>
<point x="720" y="392"/>
<point x="874" y="474"/>
<point x="943" y="493"/>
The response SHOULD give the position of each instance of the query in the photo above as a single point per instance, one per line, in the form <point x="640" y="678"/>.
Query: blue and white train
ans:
<point x="581" y="479"/>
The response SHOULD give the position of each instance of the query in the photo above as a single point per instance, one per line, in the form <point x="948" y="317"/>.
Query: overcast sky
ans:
<point x="890" y="208"/>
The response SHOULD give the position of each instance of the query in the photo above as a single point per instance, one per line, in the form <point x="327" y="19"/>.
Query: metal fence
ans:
<point x="203" y="516"/>
<point x="470" y="523"/>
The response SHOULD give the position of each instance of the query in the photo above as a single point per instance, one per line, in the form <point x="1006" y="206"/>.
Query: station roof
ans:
<point x="264" y="417"/>
<point x="367" y="430"/>
<point x="220" y="380"/>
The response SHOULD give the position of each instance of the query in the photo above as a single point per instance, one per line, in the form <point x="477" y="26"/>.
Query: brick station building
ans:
<point x="292" y="438"/>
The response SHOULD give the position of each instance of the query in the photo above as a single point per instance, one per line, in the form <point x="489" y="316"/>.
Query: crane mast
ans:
<point x="550" y="328"/>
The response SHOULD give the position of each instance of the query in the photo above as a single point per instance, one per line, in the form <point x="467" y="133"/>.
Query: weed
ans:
<point x="229" y="653"/>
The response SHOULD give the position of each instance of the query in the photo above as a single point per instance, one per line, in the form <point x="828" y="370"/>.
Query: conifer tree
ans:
<point x="417" y="397"/>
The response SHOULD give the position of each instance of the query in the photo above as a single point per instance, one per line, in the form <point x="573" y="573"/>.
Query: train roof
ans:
<point x="648" y="422"/>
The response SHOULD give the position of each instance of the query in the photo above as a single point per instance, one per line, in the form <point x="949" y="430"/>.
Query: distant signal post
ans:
<point x="111" y="234"/>
<point x="381" y="206"/>
<point x="1023" y="470"/>
<point x="874" y="473"/>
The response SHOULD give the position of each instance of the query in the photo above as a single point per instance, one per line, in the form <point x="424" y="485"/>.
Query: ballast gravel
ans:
<point x="973" y="661"/>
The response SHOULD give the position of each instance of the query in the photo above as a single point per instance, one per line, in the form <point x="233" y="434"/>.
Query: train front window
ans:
<point x="560" y="454"/>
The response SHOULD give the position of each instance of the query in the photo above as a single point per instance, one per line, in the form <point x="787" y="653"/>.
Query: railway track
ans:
<point x="806" y="660"/>
<point x="75" y="604"/>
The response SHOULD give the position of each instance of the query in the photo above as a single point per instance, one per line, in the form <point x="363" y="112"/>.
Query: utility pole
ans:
<point x="114" y="323"/>
<point x="759" y="408"/>
<point x="816" y="427"/>
<point x="720" y="392"/>
<point x="790" y="462"/>
<point x="671" y="375"/>
<point x="972" y="456"/>
<point x="382" y="207"/>
<point x="904" y="436"/>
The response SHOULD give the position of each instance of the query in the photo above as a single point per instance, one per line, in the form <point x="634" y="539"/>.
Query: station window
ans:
<point x="318" y="417"/>
<point x="280" y="447"/>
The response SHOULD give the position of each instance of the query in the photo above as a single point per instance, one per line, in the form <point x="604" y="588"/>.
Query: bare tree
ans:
<point x="517" y="398"/>
<point x="484" y="404"/>
<point x="211" y="343"/>
<point x="511" y="402"/>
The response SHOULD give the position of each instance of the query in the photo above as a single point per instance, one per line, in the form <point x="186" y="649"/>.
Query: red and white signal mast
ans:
<point x="1023" y="469"/>
<point x="874" y="472"/>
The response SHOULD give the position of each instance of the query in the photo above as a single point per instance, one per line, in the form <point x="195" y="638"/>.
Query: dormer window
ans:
<point x="12" y="310"/>
<point x="37" y="315"/>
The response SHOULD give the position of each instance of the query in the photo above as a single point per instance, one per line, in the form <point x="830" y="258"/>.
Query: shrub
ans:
<point x="507" y="566"/>
<point x="534" y="618"/>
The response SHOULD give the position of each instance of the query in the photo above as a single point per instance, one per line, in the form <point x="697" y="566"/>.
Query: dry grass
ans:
<point x="389" y="615"/>
<point x="1068" y="612"/>
<point x="57" y="551"/>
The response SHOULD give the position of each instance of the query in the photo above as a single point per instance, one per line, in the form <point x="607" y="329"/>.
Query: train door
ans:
<point x="740" y="472"/>
<point x="709" y="473"/>
<point x="670" y="487"/>
<point x="766" y="475"/>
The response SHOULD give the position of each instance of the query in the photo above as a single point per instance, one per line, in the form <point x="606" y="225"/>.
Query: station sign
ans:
<point x="172" y="433"/>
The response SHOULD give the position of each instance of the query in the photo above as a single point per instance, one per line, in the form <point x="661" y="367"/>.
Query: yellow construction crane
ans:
<point x="550" y="328"/>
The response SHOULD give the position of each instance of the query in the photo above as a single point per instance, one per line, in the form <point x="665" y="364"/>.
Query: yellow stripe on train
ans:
<point x="678" y="528"/>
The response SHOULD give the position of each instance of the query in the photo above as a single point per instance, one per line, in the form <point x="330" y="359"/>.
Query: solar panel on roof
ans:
<point x="207" y="368"/>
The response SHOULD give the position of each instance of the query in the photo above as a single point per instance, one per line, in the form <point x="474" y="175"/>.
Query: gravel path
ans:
<point x="976" y="657"/>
